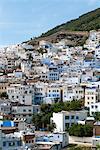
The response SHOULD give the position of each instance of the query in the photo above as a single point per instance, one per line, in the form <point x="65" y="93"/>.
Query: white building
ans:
<point x="23" y="94"/>
<point x="17" y="140"/>
<point x="72" y="92"/>
<point x="61" y="137"/>
<point x="65" y="119"/>
<point x="53" y="94"/>
<point x="23" y="112"/>
<point x="91" y="95"/>
<point x="5" y="107"/>
<point x="93" y="108"/>
<point x="39" y="92"/>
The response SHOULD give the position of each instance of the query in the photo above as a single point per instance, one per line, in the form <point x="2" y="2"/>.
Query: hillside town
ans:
<point x="51" y="75"/>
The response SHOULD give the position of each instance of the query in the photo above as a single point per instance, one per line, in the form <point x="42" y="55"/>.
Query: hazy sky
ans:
<point x="22" y="19"/>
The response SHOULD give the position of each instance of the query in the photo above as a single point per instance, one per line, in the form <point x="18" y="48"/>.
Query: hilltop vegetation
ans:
<point x="75" y="32"/>
<point x="86" y="22"/>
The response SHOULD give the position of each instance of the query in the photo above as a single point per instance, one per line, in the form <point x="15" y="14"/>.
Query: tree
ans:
<point x="45" y="108"/>
<point x="41" y="51"/>
<point x="80" y="148"/>
<point x="51" y="127"/>
<point x="43" y="120"/>
<point x="37" y="121"/>
<point x="81" y="130"/>
<point x="4" y="95"/>
<point x="97" y="116"/>
<point x="57" y="107"/>
<point x="75" y="148"/>
<point x="98" y="147"/>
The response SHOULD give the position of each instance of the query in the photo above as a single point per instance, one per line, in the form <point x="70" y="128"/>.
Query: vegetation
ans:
<point x="4" y="95"/>
<point x="42" y="120"/>
<point x="97" y="116"/>
<point x="81" y="130"/>
<point x="98" y="147"/>
<point x="79" y="148"/>
<point x="86" y="22"/>
<point x="75" y="147"/>
<point x="42" y="51"/>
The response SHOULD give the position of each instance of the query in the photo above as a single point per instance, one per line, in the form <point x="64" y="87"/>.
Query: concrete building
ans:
<point x="39" y="92"/>
<point x="17" y="140"/>
<point x="23" y="111"/>
<point x="91" y="95"/>
<point x="61" y="137"/>
<point x="5" y="107"/>
<point x="53" y="94"/>
<point x="3" y="87"/>
<point x="96" y="134"/>
<point x="93" y="108"/>
<point x="65" y="119"/>
<point x="21" y="93"/>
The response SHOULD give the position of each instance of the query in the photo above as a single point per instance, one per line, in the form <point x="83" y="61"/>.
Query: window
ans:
<point x="25" y="92"/>
<point x="96" y="106"/>
<point x="19" y="143"/>
<point x="92" y="106"/>
<point x="77" y="117"/>
<point x="1" y="108"/>
<point x="32" y="141"/>
<point x="72" y="117"/>
<point x="66" y="117"/>
<point x="11" y="144"/>
<point x="92" y="97"/>
<point x="67" y="125"/>
<point x="96" y="97"/>
<point x="24" y="110"/>
<point x="16" y="124"/>
<point x="4" y="143"/>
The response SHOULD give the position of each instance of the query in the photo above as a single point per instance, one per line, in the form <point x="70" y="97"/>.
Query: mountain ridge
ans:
<point x="80" y="24"/>
<point x="75" y="31"/>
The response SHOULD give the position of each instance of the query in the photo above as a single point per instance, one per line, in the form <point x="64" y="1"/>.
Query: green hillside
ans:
<point x="86" y="22"/>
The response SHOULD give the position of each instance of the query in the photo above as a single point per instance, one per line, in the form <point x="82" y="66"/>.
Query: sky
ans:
<point x="22" y="19"/>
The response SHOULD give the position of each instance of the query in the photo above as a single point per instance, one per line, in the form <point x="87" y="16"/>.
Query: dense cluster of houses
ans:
<point x="50" y="73"/>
